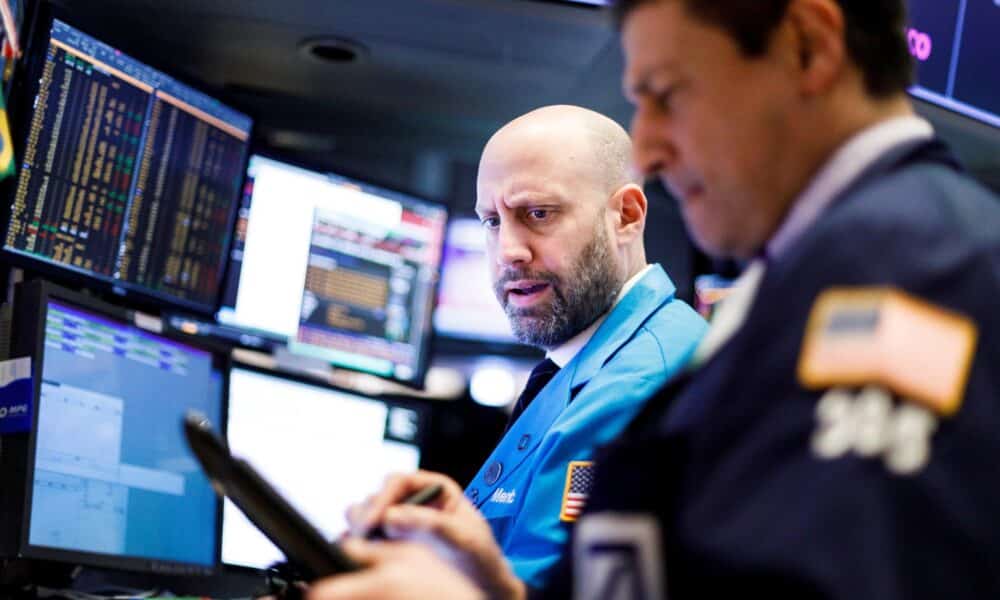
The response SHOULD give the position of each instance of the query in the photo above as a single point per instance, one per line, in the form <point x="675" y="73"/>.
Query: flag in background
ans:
<point x="11" y="52"/>
<point x="6" y="148"/>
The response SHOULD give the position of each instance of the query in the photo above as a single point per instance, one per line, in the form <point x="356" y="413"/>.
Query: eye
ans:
<point x="490" y="222"/>
<point x="664" y="99"/>
<point x="538" y="214"/>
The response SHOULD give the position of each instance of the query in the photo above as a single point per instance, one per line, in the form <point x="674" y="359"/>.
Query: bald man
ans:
<point x="564" y="227"/>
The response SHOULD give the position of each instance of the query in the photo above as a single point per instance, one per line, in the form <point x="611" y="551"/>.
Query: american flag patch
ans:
<point x="579" y="480"/>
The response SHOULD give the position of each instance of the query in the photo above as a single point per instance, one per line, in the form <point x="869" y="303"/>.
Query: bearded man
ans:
<point x="564" y="225"/>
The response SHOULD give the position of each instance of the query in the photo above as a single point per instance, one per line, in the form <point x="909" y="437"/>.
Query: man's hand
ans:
<point x="451" y="525"/>
<point x="364" y="517"/>
<point x="393" y="570"/>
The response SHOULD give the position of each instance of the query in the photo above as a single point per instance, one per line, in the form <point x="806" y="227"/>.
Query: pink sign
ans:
<point x="920" y="44"/>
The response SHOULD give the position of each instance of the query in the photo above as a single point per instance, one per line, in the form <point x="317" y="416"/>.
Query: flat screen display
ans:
<point x="112" y="473"/>
<point x="128" y="178"/>
<point x="955" y="45"/>
<point x="323" y="449"/>
<point x="339" y="270"/>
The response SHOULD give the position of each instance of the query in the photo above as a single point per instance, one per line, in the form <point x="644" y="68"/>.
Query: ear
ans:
<point x="631" y="205"/>
<point x="819" y="30"/>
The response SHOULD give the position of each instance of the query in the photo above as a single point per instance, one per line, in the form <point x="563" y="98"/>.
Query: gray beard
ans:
<point x="575" y="305"/>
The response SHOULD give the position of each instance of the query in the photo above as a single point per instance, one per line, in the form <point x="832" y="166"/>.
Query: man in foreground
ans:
<point x="834" y="436"/>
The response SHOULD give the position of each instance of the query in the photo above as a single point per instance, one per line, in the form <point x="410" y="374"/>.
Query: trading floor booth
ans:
<point x="164" y="253"/>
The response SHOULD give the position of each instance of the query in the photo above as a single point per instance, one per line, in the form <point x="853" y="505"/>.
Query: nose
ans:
<point x="653" y="149"/>
<point x="512" y="247"/>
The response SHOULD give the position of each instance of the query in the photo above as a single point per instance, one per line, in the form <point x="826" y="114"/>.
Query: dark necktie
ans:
<point x="540" y="375"/>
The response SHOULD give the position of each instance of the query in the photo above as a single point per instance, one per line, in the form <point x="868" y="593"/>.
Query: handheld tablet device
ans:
<point x="302" y="544"/>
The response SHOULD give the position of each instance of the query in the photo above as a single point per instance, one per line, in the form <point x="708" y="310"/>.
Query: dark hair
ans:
<point x="876" y="40"/>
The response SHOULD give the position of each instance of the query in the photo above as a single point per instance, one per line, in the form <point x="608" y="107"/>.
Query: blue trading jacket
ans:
<point x="647" y="336"/>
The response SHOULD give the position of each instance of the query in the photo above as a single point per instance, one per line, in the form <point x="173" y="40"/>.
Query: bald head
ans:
<point x="584" y="142"/>
<point x="564" y="224"/>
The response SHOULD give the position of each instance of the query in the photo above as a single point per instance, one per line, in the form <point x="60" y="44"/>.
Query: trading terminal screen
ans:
<point x="128" y="176"/>
<point x="112" y="472"/>
<point x="467" y="307"/>
<point x="341" y="271"/>
<point x="955" y="45"/>
<point x="322" y="449"/>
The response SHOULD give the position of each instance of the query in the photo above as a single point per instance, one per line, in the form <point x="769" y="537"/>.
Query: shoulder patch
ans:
<point x="579" y="480"/>
<point x="883" y="336"/>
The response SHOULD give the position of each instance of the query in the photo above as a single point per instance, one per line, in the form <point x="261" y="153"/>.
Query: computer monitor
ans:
<point x="129" y="179"/>
<point x="322" y="448"/>
<point x="105" y="476"/>
<point x="467" y="307"/>
<point x="955" y="46"/>
<point x="339" y="270"/>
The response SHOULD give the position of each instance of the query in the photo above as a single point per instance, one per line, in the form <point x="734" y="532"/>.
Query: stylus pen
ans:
<point x="421" y="497"/>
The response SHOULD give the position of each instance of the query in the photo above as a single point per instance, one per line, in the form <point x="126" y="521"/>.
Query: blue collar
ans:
<point x="646" y="297"/>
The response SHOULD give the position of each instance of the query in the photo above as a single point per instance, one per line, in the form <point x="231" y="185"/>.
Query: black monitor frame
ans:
<point x="24" y="89"/>
<point x="17" y="458"/>
<point x="421" y="408"/>
<point x="269" y="342"/>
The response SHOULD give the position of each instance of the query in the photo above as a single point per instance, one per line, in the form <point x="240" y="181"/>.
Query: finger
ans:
<point x="371" y="553"/>
<point x="362" y="551"/>
<point x="395" y="489"/>
<point x="451" y="493"/>
<point x="398" y="487"/>
<point x="406" y="520"/>
<point x="355" y="586"/>
<point x="355" y="514"/>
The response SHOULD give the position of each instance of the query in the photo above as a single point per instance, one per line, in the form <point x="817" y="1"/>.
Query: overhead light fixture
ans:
<point x="493" y="385"/>
<point x="328" y="49"/>
<point x="302" y="140"/>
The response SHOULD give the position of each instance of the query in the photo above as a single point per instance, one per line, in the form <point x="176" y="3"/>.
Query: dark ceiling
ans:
<point x="434" y="79"/>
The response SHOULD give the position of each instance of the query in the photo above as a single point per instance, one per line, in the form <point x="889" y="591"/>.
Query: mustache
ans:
<point x="513" y="275"/>
<point x="516" y="275"/>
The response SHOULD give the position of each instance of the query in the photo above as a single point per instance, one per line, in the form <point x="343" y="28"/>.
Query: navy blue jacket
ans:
<point x="715" y="482"/>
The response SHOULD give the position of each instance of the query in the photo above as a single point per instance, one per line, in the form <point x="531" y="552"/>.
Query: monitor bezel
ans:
<point x="24" y="89"/>
<point x="422" y="409"/>
<point x="31" y="309"/>
<point x="429" y="341"/>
